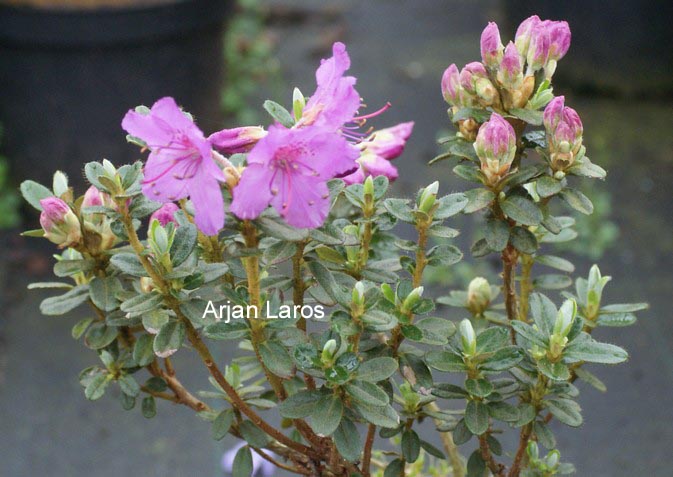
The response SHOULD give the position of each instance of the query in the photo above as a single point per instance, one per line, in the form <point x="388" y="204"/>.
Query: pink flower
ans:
<point x="180" y="163"/>
<point x="289" y="169"/>
<point x="510" y="72"/>
<point x="491" y="45"/>
<point x="524" y="34"/>
<point x="377" y="152"/>
<point x="559" y="39"/>
<point x="60" y="224"/>
<point x="451" y="85"/>
<point x="564" y="132"/>
<point x="335" y="100"/>
<point x="165" y="214"/>
<point x="232" y="141"/>
<point x="538" y="48"/>
<point x="496" y="147"/>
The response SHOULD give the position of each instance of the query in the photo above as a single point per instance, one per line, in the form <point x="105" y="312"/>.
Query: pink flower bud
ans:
<point x="564" y="133"/>
<point x="559" y="39"/>
<point x="165" y="214"/>
<point x="538" y="48"/>
<point x="491" y="46"/>
<point x="95" y="198"/>
<point x="389" y="142"/>
<point x="524" y="33"/>
<point x="59" y="222"/>
<point x="98" y="223"/>
<point x="451" y="85"/>
<point x="232" y="141"/>
<point x="496" y="147"/>
<point x="469" y="75"/>
<point x="510" y="73"/>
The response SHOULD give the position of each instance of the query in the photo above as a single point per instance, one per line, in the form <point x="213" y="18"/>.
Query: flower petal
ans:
<point x="253" y="192"/>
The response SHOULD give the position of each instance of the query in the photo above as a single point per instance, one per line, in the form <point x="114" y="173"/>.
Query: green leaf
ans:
<point x="96" y="387"/>
<point x="399" y="208"/>
<point x="476" y="467"/>
<point x="477" y="199"/>
<point x="476" y="417"/>
<point x="565" y="410"/>
<point x="326" y="415"/>
<point x="100" y="335"/>
<point x="59" y="305"/>
<point x="522" y="210"/>
<point x="234" y="330"/>
<point x="591" y="379"/>
<point x="624" y="308"/>
<point x="435" y="330"/>
<point x="552" y="282"/>
<point x="586" y="168"/>
<point x="142" y="303"/>
<point x="503" y="359"/>
<point x="547" y="186"/>
<point x="411" y="446"/>
<point x="479" y="387"/>
<point x="595" y="352"/>
<point x="478" y="114"/>
<point x="80" y="327"/>
<point x="142" y="207"/>
<point x="184" y="242"/>
<point x="432" y="450"/>
<point x="253" y="435"/>
<point x="300" y="405"/>
<point x="527" y="414"/>
<point x="326" y="280"/>
<point x="556" y="262"/>
<point x="450" y="205"/>
<point x="461" y="434"/>
<point x="616" y="319"/>
<point x="367" y="393"/>
<point x="143" y="353"/>
<point x="276" y="358"/>
<point x="222" y="424"/>
<point x="103" y="291"/>
<point x="468" y="172"/>
<point x="128" y="263"/>
<point x="449" y="391"/>
<point x="496" y="233"/>
<point x="556" y="371"/>
<point x="129" y="385"/>
<point x="279" y="113"/>
<point x="544" y="435"/>
<point x="68" y="268"/>
<point x="347" y="440"/>
<point x="380" y="416"/>
<point x="544" y="312"/>
<point x="577" y="201"/>
<point x="445" y="361"/>
<point x="377" y="369"/>
<point x="169" y="339"/>
<point x="528" y="115"/>
<point x="276" y="228"/>
<point x="528" y="332"/>
<point x="394" y="469"/>
<point x="34" y="193"/>
<point x="242" y="465"/>
<point x="503" y="411"/>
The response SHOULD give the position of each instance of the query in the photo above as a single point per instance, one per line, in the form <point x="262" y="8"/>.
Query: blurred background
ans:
<point x="69" y="69"/>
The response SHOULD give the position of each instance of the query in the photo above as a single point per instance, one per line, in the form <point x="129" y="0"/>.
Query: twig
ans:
<point x="367" y="455"/>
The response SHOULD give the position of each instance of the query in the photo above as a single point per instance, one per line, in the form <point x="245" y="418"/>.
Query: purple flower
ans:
<point x="377" y="152"/>
<point x="260" y="466"/>
<point x="165" y="214"/>
<point x="496" y="147"/>
<point x="491" y="45"/>
<point x="232" y="141"/>
<point x="510" y="72"/>
<point x="451" y="85"/>
<point x="564" y="133"/>
<point x="335" y="100"/>
<point x="180" y="163"/>
<point x="289" y="169"/>
<point x="60" y="224"/>
<point x="559" y="39"/>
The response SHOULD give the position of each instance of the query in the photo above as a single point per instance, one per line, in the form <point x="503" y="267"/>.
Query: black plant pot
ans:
<point x="68" y="77"/>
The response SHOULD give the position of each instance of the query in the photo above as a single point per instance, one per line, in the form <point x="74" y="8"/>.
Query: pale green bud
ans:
<point x="565" y="318"/>
<point x="478" y="295"/>
<point x="413" y="298"/>
<point x="328" y="351"/>
<point x="368" y="187"/>
<point x="298" y="103"/>
<point x="467" y="337"/>
<point x="553" y="459"/>
<point x="359" y="293"/>
<point x="428" y="197"/>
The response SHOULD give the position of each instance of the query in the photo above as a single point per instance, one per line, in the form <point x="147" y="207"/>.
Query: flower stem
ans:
<point x="526" y="286"/>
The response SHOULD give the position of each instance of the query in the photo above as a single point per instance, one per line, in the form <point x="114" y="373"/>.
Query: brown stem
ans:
<point x="367" y="454"/>
<point x="280" y="465"/>
<point x="521" y="450"/>
<point x="498" y="470"/>
<point x="509" y="262"/>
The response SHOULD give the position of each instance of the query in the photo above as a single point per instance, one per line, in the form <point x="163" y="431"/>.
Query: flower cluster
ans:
<point x="564" y="133"/>
<point x="288" y="165"/>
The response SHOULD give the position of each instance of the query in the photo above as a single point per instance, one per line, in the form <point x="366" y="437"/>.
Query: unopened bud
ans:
<point x="237" y="140"/>
<point x="496" y="147"/>
<point x="146" y="284"/>
<point x="412" y="299"/>
<point x="468" y="338"/>
<point x="478" y="295"/>
<point x="368" y="187"/>
<point x="491" y="45"/>
<point x="60" y="224"/>
<point x="428" y="197"/>
<point x="298" y="103"/>
<point x="165" y="214"/>
<point x="328" y="351"/>
<point x="533" y="451"/>
<point x="553" y="459"/>
<point x="565" y="318"/>
<point x="358" y="295"/>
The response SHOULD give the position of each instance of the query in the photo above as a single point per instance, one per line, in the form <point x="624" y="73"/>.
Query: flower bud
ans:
<point x="537" y="54"/>
<point x="389" y="143"/>
<point x="97" y="225"/>
<point x="564" y="133"/>
<point x="496" y="147"/>
<point x="491" y="46"/>
<point x="328" y="351"/>
<point x="358" y="295"/>
<point x="298" y="103"/>
<point x="428" y="197"/>
<point x="524" y="34"/>
<point x="565" y="318"/>
<point x="368" y="187"/>
<point x="146" y="284"/>
<point x="451" y="85"/>
<point x="595" y="286"/>
<point x="165" y="214"/>
<point x="412" y="299"/>
<point x="510" y="72"/>
<point x="533" y="451"/>
<point x="475" y="81"/>
<point x="468" y="338"/>
<point x="553" y="459"/>
<point x="559" y="39"/>
<point x="478" y="295"/>
<point x="232" y="141"/>
<point x="60" y="224"/>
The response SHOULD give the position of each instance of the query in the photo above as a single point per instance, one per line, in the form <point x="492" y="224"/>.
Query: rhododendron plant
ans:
<point x="319" y="276"/>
